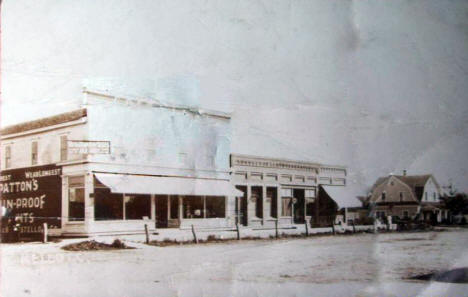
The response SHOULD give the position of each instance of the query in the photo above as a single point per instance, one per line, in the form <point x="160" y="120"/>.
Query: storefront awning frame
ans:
<point x="166" y="185"/>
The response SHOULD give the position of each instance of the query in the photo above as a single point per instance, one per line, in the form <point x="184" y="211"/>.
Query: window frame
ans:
<point x="63" y="148"/>
<point x="34" y="153"/>
<point x="8" y="156"/>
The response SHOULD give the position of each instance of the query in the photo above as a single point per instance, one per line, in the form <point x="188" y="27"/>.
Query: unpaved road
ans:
<point x="359" y="265"/>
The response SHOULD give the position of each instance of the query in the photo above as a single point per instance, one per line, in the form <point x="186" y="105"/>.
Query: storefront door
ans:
<point x="161" y="211"/>
<point x="299" y="206"/>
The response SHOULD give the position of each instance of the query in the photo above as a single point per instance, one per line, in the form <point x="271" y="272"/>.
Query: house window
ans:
<point x="34" y="153"/>
<point x="7" y="157"/>
<point x="401" y="196"/>
<point x="425" y="196"/>
<point x="63" y="148"/>
<point x="405" y="214"/>
<point x="76" y="195"/>
<point x="434" y="196"/>
<point x="383" y="196"/>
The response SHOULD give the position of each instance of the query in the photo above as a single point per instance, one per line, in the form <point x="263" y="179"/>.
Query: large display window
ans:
<point x="107" y="205"/>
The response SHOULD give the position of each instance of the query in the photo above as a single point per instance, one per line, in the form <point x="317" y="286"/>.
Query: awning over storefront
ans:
<point x="343" y="198"/>
<point x="139" y="184"/>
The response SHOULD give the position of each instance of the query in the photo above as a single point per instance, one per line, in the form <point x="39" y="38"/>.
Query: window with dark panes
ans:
<point x="137" y="207"/>
<point x="193" y="207"/>
<point x="271" y="195"/>
<point x="215" y="206"/>
<point x="174" y="206"/>
<point x="76" y="195"/>
<point x="258" y="200"/>
<point x="107" y="205"/>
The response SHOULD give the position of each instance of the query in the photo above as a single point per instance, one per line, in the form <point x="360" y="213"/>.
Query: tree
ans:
<point x="456" y="204"/>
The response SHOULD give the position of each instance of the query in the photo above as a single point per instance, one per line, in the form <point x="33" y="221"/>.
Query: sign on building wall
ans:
<point x="89" y="147"/>
<point x="31" y="197"/>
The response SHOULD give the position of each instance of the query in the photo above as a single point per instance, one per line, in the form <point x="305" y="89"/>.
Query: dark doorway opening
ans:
<point x="257" y="198"/>
<point x="241" y="206"/>
<point x="299" y="206"/>
<point x="161" y="211"/>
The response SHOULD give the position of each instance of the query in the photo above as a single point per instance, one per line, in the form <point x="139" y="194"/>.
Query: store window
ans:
<point x="193" y="207"/>
<point x="34" y="153"/>
<point x="271" y="196"/>
<point x="258" y="200"/>
<point x="137" y="207"/>
<point x="215" y="206"/>
<point x="107" y="205"/>
<point x="174" y="206"/>
<point x="76" y="199"/>
<point x="286" y="202"/>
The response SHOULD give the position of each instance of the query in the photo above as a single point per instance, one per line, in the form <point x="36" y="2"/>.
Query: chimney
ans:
<point x="404" y="172"/>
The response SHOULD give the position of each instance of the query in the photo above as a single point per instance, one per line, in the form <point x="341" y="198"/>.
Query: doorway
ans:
<point x="161" y="211"/>
<point x="299" y="206"/>
<point x="241" y="206"/>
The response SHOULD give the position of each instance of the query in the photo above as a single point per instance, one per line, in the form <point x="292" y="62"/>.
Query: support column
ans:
<point x="248" y="213"/>
<point x="153" y="208"/>
<point x="181" y="209"/>
<point x="168" y="200"/>
<point x="89" y="200"/>
<point x="279" y="204"/>
<point x="64" y="201"/>
<point x="124" y="211"/>
<point x="265" y="210"/>
<point x="204" y="207"/>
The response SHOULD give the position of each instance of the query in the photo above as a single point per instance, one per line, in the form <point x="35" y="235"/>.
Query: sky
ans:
<point x="377" y="86"/>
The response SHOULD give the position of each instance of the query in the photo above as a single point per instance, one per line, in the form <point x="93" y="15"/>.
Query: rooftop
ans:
<point x="44" y="122"/>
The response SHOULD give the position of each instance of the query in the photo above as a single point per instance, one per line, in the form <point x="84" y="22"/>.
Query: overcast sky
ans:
<point x="378" y="86"/>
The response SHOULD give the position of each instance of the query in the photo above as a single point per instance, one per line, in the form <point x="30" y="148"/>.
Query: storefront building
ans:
<point x="290" y="192"/>
<point x="117" y="165"/>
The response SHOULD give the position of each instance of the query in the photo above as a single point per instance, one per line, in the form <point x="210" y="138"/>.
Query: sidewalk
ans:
<point x="182" y="235"/>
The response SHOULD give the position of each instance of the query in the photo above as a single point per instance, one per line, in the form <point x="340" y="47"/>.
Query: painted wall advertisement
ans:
<point x="30" y="197"/>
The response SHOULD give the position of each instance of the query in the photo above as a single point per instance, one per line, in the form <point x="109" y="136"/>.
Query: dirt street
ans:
<point x="358" y="265"/>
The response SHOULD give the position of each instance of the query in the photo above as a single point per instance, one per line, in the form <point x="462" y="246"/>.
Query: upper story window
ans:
<point x="401" y="196"/>
<point x="7" y="157"/>
<point x="63" y="148"/>
<point x="434" y="196"/>
<point x="383" y="196"/>
<point x="34" y="153"/>
<point x="425" y="196"/>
